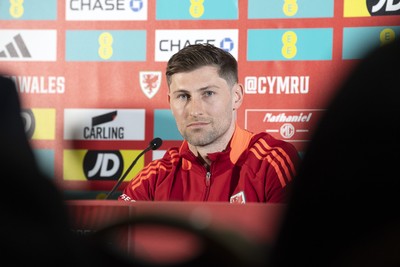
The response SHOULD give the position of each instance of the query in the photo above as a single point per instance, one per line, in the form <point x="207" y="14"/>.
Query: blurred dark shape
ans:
<point x="344" y="207"/>
<point x="214" y="246"/>
<point x="35" y="227"/>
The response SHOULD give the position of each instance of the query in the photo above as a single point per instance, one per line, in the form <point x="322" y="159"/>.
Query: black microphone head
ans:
<point x="155" y="143"/>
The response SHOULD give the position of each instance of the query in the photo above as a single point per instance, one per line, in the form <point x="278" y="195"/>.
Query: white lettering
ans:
<point x="40" y="84"/>
<point x="289" y="85"/>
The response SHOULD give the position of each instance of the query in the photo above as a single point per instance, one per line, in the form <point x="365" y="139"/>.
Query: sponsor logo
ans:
<point x="29" y="122"/>
<point x="383" y="7"/>
<point x="293" y="44"/>
<point x="197" y="10"/>
<point x="110" y="10"/>
<point x="16" y="48"/>
<point x="238" y="198"/>
<point x="290" y="124"/>
<point x="39" y="123"/>
<point x="288" y="85"/>
<point x="104" y="124"/>
<point x="168" y="42"/>
<point x="150" y="82"/>
<point x="28" y="10"/>
<point x="28" y="45"/>
<point x="367" y="8"/>
<point x="262" y="9"/>
<point x="357" y="41"/>
<point x="110" y="45"/>
<point x="100" y="165"/>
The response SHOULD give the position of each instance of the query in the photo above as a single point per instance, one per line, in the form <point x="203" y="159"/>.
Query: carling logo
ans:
<point x="28" y="45"/>
<point x="168" y="42"/>
<point x="150" y="82"/>
<point x="122" y="10"/>
<point x="104" y="124"/>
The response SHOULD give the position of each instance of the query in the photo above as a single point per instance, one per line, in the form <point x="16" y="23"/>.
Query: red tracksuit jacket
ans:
<point x="253" y="168"/>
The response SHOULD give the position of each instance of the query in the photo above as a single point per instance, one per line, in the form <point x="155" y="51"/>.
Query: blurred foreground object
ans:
<point x="344" y="207"/>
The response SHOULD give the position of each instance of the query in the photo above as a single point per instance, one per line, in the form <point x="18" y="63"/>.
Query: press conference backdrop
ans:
<point x="90" y="73"/>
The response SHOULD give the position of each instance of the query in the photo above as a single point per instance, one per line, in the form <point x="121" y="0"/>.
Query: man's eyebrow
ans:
<point x="180" y="91"/>
<point x="208" y="87"/>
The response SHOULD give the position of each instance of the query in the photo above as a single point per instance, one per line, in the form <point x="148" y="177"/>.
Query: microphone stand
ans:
<point x="126" y="173"/>
<point x="154" y="144"/>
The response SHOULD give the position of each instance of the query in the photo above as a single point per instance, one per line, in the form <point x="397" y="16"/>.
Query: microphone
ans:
<point x="154" y="144"/>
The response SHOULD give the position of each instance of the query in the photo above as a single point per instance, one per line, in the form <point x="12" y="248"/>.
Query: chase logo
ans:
<point x="104" y="124"/>
<point x="358" y="41"/>
<point x="28" y="10"/>
<point x="122" y="10"/>
<point x="28" y="45"/>
<point x="39" y="123"/>
<point x="289" y="44"/>
<point x="168" y="42"/>
<point x="366" y="8"/>
<point x="116" y="45"/>
<point x="262" y="9"/>
<point x="100" y="165"/>
<point x="196" y="10"/>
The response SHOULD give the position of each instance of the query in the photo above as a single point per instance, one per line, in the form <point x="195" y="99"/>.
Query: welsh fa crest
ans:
<point x="150" y="82"/>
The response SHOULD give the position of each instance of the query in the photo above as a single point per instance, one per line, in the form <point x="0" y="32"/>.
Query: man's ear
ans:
<point x="238" y="94"/>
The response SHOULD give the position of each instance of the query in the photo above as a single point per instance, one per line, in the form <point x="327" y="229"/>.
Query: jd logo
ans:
<point x="383" y="7"/>
<point x="103" y="165"/>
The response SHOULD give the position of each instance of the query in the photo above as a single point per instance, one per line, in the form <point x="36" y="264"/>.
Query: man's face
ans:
<point x="203" y="105"/>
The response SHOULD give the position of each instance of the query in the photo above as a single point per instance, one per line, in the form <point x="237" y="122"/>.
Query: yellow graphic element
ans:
<point x="290" y="8"/>
<point x="105" y="49"/>
<point x="196" y="9"/>
<point x="45" y="123"/>
<point x="73" y="164"/>
<point x="16" y="8"/>
<point x="386" y="36"/>
<point x="355" y="8"/>
<point x="289" y="40"/>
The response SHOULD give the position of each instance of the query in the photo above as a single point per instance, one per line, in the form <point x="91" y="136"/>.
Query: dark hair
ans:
<point x="199" y="55"/>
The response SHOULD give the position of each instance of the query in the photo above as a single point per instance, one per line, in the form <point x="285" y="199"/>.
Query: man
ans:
<point x="218" y="160"/>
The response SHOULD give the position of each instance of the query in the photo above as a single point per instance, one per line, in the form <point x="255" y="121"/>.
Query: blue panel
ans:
<point x="165" y="125"/>
<point x="106" y="45"/>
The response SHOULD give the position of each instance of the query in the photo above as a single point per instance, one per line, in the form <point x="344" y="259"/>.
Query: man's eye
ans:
<point x="182" y="97"/>
<point x="208" y="93"/>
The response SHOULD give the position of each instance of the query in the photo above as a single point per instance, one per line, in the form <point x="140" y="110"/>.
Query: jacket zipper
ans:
<point x="208" y="178"/>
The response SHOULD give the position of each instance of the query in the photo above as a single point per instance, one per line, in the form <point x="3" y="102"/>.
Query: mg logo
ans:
<point x="287" y="130"/>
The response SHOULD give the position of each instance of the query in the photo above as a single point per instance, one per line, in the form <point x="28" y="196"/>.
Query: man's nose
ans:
<point x="195" y="107"/>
